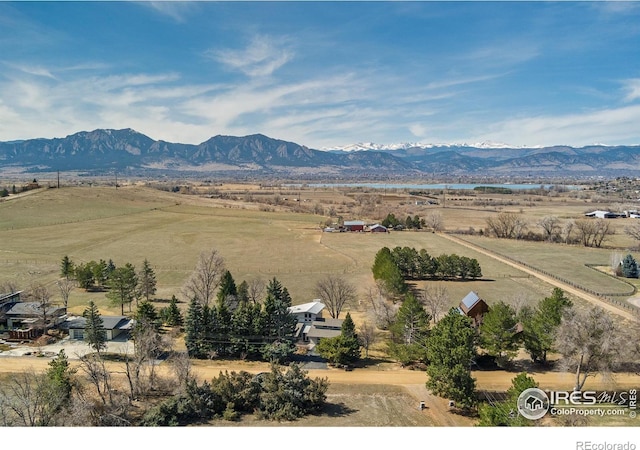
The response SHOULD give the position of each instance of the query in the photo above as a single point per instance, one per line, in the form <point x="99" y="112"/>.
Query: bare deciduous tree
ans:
<point x="593" y="232"/>
<point x="335" y="292"/>
<point x="550" y="226"/>
<point x="28" y="399"/>
<point x="383" y="310"/>
<point x="66" y="285"/>
<point x="205" y="277"/>
<point x="506" y="225"/>
<point x="40" y="294"/>
<point x="435" y="298"/>
<point x="434" y="221"/>
<point x="589" y="342"/>
<point x="633" y="231"/>
<point x="181" y="367"/>
<point x="367" y="336"/>
<point x="256" y="289"/>
<point x="98" y="376"/>
<point x="567" y="230"/>
<point x="140" y="370"/>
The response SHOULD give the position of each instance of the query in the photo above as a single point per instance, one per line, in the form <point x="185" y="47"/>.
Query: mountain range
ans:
<point x="104" y="151"/>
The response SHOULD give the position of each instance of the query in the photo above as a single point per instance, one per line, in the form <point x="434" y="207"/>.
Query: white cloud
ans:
<point x="609" y="126"/>
<point x="262" y="57"/>
<point x="633" y="89"/>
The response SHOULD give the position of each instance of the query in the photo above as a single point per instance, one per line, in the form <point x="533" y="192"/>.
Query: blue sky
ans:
<point x="324" y="74"/>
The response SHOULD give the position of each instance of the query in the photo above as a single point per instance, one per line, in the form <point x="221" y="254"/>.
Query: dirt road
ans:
<point x="565" y="287"/>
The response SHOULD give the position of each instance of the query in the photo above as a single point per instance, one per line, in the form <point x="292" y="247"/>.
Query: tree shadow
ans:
<point x="336" y="410"/>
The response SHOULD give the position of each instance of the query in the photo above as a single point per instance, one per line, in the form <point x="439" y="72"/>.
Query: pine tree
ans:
<point x="147" y="316"/>
<point x="451" y="347"/>
<point x="147" y="280"/>
<point x="67" y="268"/>
<point x="122" y="286"/>
<point x="629" y="267"/>
<point x="279" y="324"/>
<point x="497" y="333"/>
<point x="227" y="292"/>
<point x="409" y="332"/>
<point x="94" y="332"/>
<point x="172" y="315"/>
<point x="194" y="328"/>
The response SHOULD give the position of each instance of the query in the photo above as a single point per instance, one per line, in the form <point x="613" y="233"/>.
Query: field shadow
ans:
<point x="336" y="410"/>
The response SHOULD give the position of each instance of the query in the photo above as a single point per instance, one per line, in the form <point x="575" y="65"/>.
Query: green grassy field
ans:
<point x="170" y="230"/>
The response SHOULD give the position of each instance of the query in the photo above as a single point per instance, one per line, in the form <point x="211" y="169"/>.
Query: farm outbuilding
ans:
<point x="354" y="225"/>
<point x="602" y="214"/>
<point x="377" y="228"/>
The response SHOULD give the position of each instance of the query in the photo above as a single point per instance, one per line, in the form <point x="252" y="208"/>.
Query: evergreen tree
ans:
<point x="227" y="292"/>
<point x="451" y="348"/>
<point x="385" y="270"/>
<point x="540" y="325"/>
<point x="84" y="275"/>
<point x="279" y="323"/>
<point x="194" y="330"/>
<point x="498" y="333"/>
<point x="147" y="281"/>
<point x="122" y="286"/>
<point x="505" y="413"/>
<point x="67" y="268"/>
<point x="94" y="332"/>
<point x="60" y="375"/>
<point x="409" y="332"/>
<point x="417" y="223"/>
<point x="147" y="316"/>
<point x="629" y="267"/>
<point x="246" y="325"/>
<point x="243" y="293"/>
<point x="171" y="315"/>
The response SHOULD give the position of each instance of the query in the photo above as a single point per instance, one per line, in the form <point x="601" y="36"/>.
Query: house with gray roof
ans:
<point x="27" y="314"/>
<point x="114" y="326"/>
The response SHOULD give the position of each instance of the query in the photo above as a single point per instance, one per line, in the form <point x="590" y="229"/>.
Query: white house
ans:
<point x="311" y="326"/>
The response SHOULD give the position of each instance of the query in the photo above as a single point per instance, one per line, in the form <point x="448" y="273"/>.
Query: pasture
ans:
<point x="170" y="230"/>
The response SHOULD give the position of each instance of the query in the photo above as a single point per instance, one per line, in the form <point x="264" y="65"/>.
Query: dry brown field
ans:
<point x="274" y="231"/>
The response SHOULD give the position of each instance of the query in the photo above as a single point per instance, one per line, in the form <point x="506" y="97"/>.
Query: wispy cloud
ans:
<point x="632" y="88"/>
<point x="262" y="56"/>
<point x="177" y="10"/>
<point x="608" y="126"/>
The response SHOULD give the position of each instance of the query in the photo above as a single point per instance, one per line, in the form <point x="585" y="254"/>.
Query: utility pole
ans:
<point x="58" y="179"/>
<point x="116" y="174"/>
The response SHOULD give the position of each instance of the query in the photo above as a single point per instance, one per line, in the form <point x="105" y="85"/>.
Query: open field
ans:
<point x="283" y="240"/>
<point x="170" y="230"/>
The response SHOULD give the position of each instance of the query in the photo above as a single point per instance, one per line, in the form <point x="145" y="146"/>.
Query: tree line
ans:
<point x="234" y="326"/>
<point x="394" y="266"/>
<point x="123" y="284"/>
